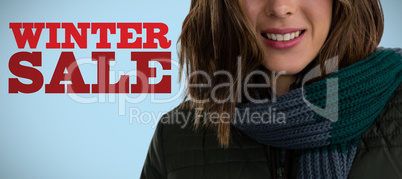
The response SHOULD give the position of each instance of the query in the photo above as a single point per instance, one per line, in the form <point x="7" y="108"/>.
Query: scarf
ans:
<point x="352" y="98"/>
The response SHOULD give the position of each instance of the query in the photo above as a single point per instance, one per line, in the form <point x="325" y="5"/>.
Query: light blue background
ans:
<point x="60" y="136"/>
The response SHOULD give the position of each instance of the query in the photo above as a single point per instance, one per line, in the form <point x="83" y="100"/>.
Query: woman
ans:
<point x="258" y="108"/>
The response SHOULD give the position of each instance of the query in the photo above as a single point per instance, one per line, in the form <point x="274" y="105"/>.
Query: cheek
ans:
<point x="318" y="7"/>
<point x="253" y="8"/>
<point x="319" y="13"/>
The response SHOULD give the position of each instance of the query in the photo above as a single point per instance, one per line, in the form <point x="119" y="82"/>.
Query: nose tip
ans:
<point x="280" y="8"/>
<point x="280" y="13"/>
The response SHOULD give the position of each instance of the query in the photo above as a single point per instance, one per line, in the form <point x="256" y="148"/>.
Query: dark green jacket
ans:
<point x="179" y="152"/>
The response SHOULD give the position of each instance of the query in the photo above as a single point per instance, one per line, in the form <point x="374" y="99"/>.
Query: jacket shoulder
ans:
<point x="379" y="152"/>
<point x="178" y="150"/>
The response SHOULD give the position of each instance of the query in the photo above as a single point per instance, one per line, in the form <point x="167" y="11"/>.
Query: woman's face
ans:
<point x="291" y="31"/>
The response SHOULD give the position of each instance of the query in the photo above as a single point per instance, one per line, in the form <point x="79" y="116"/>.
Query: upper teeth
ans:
<point x="284" y="37"/>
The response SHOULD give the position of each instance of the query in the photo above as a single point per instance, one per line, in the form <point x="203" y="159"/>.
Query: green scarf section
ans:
<point x="326" y="119"/>
<point x="364" y="89"/>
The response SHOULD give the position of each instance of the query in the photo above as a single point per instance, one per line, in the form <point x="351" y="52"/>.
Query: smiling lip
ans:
<point x="282" y="45"/>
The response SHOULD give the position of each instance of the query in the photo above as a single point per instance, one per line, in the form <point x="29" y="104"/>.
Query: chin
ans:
<point x="290" y="69"/>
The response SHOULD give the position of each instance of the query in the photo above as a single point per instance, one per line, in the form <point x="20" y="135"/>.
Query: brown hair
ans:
<point x="216" y="33"/>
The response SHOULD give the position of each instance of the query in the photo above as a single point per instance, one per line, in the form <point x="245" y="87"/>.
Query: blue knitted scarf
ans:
<point x="324" y="120"/>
